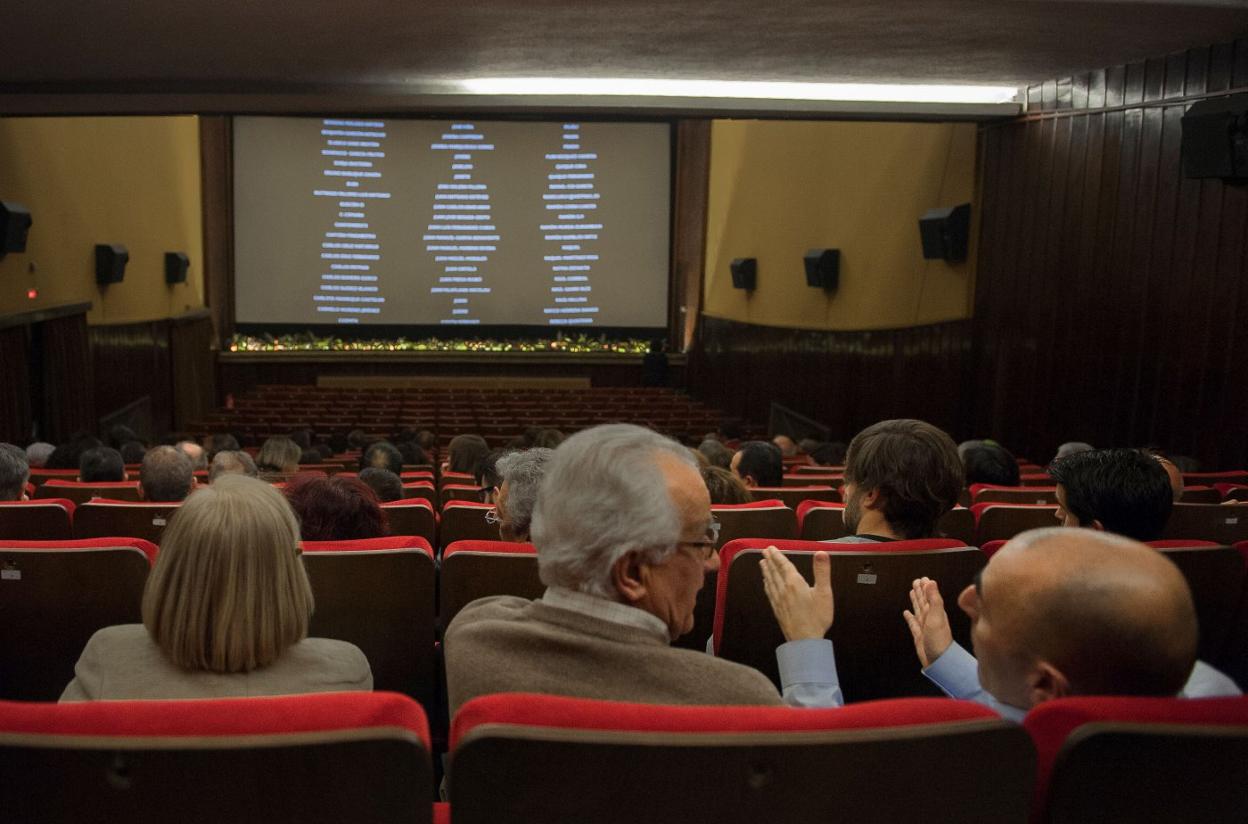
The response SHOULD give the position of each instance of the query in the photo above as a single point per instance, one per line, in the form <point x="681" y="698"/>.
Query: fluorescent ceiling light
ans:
<point x="738" y="89"/>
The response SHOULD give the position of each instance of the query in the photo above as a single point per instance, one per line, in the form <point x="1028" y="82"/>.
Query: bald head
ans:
<point x="1099" y="613"/>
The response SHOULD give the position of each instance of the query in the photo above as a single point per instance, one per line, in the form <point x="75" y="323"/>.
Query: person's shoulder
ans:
<point x="493" y="608"/>
<point x="720" y="674"/>
<point x="120" y="635"/>
<point x="329" y="648"/>
<point x="330" y="660"/>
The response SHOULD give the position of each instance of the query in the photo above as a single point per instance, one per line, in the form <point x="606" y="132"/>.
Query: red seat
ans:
<point x="421" y="489"/>
<point x="351" y="756"/>
<point x="1216" y="577"/>
<point x="1232" y="492"/>
<point x="465" y="521"/>
<point x="80" y="493"/>
<point x="528" y="758"/>
<point x="378" y="594"/>
<point x="792" y="496"/>
<point x="459" y="492"/>
<point x="1223" y="524"/>
<point x="824" y="521"/>
<point x="478" y="569"/>
<point x="988" y="493"/>
<point x="874" y="649"/>
<point x="1004" y="521"/>
<point x="1115" y="759"/>
<point x="1200" y="495"/>
<point x="47" y="519"/>
<point x="102" y="517"/>
<point x="412" y="516"/>
<point x="54" y="595"/>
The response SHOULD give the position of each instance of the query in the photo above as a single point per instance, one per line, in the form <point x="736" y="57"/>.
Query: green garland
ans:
<point x="578" y="345"/>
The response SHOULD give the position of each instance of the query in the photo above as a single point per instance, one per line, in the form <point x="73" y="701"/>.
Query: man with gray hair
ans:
<point x="166" y="475"/>
<point x="37" y="453"/>
<point x="14" y="472"/>
<point x="521" y="474"/>
<point x="231" y="462"/>
<point x="625" y="536"/>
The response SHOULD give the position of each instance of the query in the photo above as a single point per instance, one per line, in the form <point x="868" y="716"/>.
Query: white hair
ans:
<point x="1072" y="448"/>
<point x="523" y="473"/>
<point x="604" y="496"/>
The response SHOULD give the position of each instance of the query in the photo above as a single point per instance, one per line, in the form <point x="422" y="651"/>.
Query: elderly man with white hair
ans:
<point x="625" y="537"/>
<point x="522" y="474"/>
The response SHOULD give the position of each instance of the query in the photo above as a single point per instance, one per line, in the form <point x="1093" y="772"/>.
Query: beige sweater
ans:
<point x="508" y="644"/>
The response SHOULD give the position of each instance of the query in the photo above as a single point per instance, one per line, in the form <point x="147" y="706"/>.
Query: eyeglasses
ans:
<point x="708" y="545"/>
<point x="492" y="517"/>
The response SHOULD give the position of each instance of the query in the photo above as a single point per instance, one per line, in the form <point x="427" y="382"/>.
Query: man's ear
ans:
<point x="629" y="578"/>
<point x="749" y="481"/>
<point x="1046" y="682"/>
<point x="871" y="499"/>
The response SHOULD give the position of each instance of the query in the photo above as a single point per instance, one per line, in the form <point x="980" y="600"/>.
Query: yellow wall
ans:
<point x="88" y="180"/>
<point x="778" y="189"/>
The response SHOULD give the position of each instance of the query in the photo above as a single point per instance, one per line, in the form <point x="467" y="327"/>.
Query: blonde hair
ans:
<point x="229" y="593"/>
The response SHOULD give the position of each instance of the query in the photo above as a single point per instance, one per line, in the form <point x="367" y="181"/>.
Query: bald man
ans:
<point x="1061" y="612"/>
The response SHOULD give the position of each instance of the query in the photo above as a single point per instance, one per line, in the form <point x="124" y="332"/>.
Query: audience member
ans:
<point x="427" y="440"/>
<point x="385" y="484"/>
<point x="278" y="456"/>
<point x="37" y="453"/>
<point x="758" y="463"/>
<point x="521" y="474"/>
<point x="192" y="450"/>
<point x="830" y="453"/>
<point x="225" y="611"/>
<point x="14" y="473"/>
<point x="412" y="454"/>
<point x="900" y="477"/>
<point x="464" y="452"/>
<point x="786" y="445"/>
<point x="487" y="474"/>
<point x="1063" y="612"/>
<point x="165" y="475"/>
<point x="1172" y="472"/>
<point x="335" y="509"/>
<point x="309" y="457"/>
<point x="324" y="451"/>
<point x="231" y="462"/>
<point x="101" y="465"/>
<point x="302" y="438"/>
<point x="624" y="538"/>
<point x="988" y="462"/>
<point x="548" y="439"/>
<point x="132" y="452"/>
<point x="1072" y="448"/>
<point x="120" y="434"/>
<point x="724" y="487"/>
<point x="716" y="453"/>
<point x="221" y="442"/>
<point x="382" y="455"/>
<point x="357" y="439"/>
<point x="338" y="442"/>
<point x="68" y="454"/>
<point x="807" y="445"/>
<point x="1118" y="490"/>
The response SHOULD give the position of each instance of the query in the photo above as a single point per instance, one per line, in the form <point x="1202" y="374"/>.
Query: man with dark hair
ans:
<point x="382" y="455"/>
<point x="166" y="475"/>
<point x="487" y="474"/>
<point x="900" y="477"/>
<point x="464" y="451"/>
<point x="68" y="454"/>
<point x="758" y="463"/>
<point x="412" y="454"/>
<point x="987" y="462"/>
<point x="120" y="434"/>
<point x="14" y="472"/>
<point x="231" y="462"/>
<point x="1115" y="490"/>
<point x="829" y="453"/>
<point x="132" y="452"/>
<point x="387" y="486"/>
<point x="101" y="465"/>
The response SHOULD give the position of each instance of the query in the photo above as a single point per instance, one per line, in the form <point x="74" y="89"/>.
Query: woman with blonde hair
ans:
<point x="225" y="611"/>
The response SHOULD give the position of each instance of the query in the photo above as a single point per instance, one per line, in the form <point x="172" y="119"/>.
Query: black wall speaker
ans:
<point x="14" y="225"/>
<point x="744" y="273"/>
<point x="823" y="268"/>
<point x="110" y="263"/>
<point x="1215" y="138"/>
<point x="944" y="233"/>
<point x="176" y="264"/>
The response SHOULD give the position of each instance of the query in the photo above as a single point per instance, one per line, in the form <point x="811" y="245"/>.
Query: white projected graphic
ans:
<point x="349" y="289"/>
<point x="461" y="235"/>
<point x="453" y="223"/>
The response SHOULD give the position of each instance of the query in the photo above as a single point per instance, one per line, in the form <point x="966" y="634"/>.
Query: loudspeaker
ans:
<point x="1215" y="138"/>
<point x="944" y="233"/>
<point x="110" y="263"/>
<point x="823" y="268"/>
<point x="176" y="264"/>
<point x="14" y="224"/>
<point x="744" y="273"/>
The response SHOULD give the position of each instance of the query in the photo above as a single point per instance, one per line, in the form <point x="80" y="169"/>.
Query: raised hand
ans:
<point x="929" y="623"/>
<point x="802" y="611"/>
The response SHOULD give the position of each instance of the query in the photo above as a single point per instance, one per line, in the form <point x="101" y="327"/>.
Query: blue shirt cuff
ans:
<point x="956" y="672"/>
<point x="808" y="675"/>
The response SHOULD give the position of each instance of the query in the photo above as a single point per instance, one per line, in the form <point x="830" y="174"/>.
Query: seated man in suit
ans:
<point x="1062" y="612"/>
<point x="625" y="537"/>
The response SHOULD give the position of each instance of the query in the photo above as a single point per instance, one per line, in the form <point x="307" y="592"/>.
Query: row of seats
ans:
<point x="536" y="759"/>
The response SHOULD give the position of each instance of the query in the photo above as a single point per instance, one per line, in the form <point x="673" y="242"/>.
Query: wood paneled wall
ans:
<point x="1112" y="297"/>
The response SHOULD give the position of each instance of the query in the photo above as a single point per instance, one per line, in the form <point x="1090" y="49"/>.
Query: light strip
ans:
<point x="738" y="89"/>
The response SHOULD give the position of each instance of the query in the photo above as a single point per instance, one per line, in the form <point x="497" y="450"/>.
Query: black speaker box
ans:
<point x="823" y="268"/>
<point x="14" y="224"/>
<point x="744" y="273"/>
<point x="944" y="233"/>
<point x="1215" y="138"/>
<point x="110" y="263"/>
<point x="176" y="264"/>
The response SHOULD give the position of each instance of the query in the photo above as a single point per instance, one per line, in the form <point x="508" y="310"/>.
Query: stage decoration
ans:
<point x="565" y="344"/>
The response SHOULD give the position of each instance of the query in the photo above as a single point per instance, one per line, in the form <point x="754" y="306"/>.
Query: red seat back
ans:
<point x="479" y="569"/>
<point x="48" y="519"/>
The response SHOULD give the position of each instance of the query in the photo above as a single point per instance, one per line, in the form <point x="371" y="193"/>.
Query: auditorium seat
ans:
<point x="39" y="475"/>
<point x="348" y="756"/>
<point x="80" y="493"/>
<point x="46" y="519"/>
<point x="459" y="492"/>
<point x="412" y="516"/>
<point x="1200" y="495"/>
<point x="1004" y="521"/>
<point x="1238" y="476"/>
<point x="54" y="595"/>
<point x="477" y="569"/>
<point x="378" y="593"/>
<point x="537" y="759"/>
<point x="987" y="493"/>
<point x="958" y="523"/>
<point x="816" y="469"/>
<point x="1232" y="492"/>
<point x="874" y="650"/>
<point x="759" y="519"/>
<point x="1216" y="577"/>
<point x="1140" y="760"/>
<point x="103" y="517"/>
<point x="824" y="521"/>
<point x="792" y="496"/>
<point x="1222" y="524"/>
<point x="812" y="479"/>
<point x="1035" y="479"/>
<point x="465" y="521"/>
<point x="423" y="489"/>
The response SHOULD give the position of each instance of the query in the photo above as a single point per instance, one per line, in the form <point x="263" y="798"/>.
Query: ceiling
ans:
<point x="397" y="47"/>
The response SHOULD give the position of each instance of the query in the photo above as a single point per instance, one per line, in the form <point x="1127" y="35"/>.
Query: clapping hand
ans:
<point x="929" y="623"/>
<point x="803" y="611"/>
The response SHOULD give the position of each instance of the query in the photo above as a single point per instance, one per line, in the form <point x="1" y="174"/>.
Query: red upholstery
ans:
<point x="406" y="502"/>
<point x="1181" y="544"/>
<point x="808" y="505"/>
<point x="1242" y="546"/>
<point x="975" y="489"/>
<point x="390" y="542"/>
<point x="771" y="504"/>
<point x="61" y="482"/>
<point x="990" y="548"/>
<point x="1227" y="490"/>
<point x="441" y="812"/>
<point x="148" y="548"/>
<point x="1035" y="479"/>
<point x="457" y="477"/>
<point x="492" y="547"/>
<point x="530" y="709"/>
<point x="224" y="717"/>
<point x="978" y="509"/>
<point x="466" y="505"/>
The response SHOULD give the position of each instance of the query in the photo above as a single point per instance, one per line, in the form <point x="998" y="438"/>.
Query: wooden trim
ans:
<point x="44" y="314"/>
